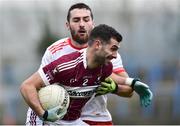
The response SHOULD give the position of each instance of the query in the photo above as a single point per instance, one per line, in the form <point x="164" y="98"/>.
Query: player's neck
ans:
<point x="77" y="45"/>
<point x="91" y="64"/>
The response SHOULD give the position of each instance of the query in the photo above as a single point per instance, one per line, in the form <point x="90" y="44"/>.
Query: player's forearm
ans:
<point x="118" y="79"/>
<point x="30" y="95"/>
<point x="124" y="91"/>
<point x="29" y="89"/>
<point x="122" y="74"/>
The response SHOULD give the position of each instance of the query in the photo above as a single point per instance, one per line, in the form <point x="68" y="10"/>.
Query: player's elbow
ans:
<point x="24" y="87"/>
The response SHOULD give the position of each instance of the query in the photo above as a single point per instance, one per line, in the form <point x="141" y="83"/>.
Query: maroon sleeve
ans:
<point x="50" y="72"/>
<point x="55" y="71"/>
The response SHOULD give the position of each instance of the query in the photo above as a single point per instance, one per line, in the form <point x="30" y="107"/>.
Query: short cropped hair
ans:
<point x="104" y="33"/>
<point x="79" y="6"/>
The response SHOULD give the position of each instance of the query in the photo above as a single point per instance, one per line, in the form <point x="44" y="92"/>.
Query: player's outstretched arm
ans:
<point x="142" y="89"/>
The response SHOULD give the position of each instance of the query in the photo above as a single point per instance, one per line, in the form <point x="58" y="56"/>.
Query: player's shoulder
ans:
<point x="73" y="58"/>
<point x="73" y="55"/>
<point x="58" y="45"/>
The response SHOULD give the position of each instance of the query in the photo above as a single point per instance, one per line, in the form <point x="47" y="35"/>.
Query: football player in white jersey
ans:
<point x="80" y="23"/>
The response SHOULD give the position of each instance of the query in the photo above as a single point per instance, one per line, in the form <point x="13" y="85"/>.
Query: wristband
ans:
<point x="131" y="81"/>
<point x="45" y="115"/>
<point x="134" y="81"/>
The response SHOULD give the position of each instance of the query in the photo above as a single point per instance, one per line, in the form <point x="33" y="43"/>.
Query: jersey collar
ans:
<point x="70" y="43"/>
<point x="84" y="51"/>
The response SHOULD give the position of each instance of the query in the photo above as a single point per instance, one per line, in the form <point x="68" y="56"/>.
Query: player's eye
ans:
<point x="114" y="49"/>
<point x="86" y="19"/>
<point x="76" y="20"/>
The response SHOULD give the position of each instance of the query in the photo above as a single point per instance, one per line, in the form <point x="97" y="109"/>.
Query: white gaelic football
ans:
<point x="52" y="96"/>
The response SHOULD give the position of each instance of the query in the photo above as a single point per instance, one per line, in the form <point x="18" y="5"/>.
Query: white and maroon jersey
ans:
<point x="96" y="108"/>
<point x="72" y="72"/>
<point x="58" y="49"/>
<point x="65" y="46"/>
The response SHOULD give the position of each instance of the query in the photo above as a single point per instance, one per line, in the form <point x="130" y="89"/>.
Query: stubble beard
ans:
<point x="100" y="60"/>
<point x="80" y="40"/>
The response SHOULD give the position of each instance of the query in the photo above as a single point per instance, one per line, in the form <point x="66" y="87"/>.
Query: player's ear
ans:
<point x="98" y="44"/>
<point x="68" y="25"/>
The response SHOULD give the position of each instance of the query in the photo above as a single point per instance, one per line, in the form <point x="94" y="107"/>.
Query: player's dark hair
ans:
<point x="78" y="6"/>
<point x="104" y="33"/>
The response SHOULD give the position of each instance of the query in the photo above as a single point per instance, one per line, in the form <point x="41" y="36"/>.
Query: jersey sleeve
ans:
<point x="47" y="58"/>
<point x="117" y="64"/>
<point x="48" y="73"/>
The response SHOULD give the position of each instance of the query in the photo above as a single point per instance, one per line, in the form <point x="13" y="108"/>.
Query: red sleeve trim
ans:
<point x="119" y="70"/>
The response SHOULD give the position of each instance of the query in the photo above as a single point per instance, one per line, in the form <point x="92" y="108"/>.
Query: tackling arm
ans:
<point x="140" y="88"/>
<point x="123" y="90"/>
<point x="113" y="86"/>
<point x="118" y="70"/>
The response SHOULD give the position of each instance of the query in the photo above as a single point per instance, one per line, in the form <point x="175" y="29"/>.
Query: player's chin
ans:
<point x="83" y="37"/>
<point x="108" y="61"/>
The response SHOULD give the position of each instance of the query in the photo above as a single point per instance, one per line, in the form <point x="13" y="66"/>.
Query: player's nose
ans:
<point x="81" y="23"/>
<point x="114" y="55"/>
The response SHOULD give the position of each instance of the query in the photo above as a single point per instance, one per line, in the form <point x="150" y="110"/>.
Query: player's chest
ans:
<point x="80" y="77"/>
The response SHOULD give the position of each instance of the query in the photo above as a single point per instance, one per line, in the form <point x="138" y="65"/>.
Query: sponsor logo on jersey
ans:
<point x="65" y="102"/>
<point x="82" y="92"/>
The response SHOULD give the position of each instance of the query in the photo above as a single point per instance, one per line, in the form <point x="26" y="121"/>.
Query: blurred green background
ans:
<point x="150" y="50"/>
